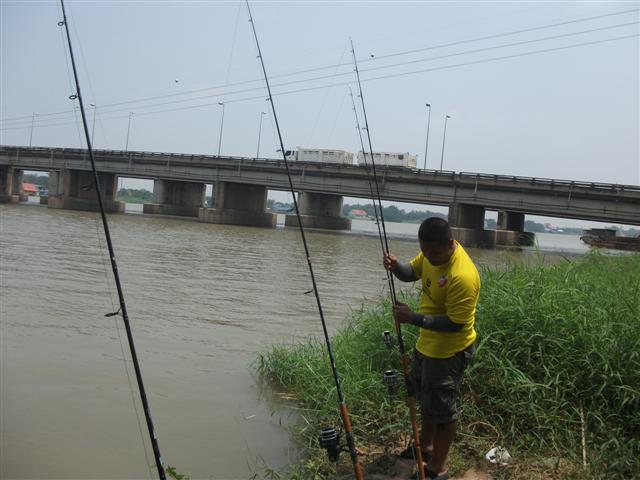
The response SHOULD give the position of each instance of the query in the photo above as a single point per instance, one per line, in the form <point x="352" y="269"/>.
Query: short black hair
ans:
<point x="435" y="230"/>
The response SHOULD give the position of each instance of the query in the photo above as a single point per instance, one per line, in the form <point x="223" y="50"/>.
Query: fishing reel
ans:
<point x="391" y="379"/>
<point x="388" y="339"/>
<point x="330" y="441"/>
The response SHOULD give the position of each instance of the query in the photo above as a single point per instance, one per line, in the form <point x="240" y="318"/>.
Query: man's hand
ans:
<point x="402" y="313"/>
<point x="390" y="261"/>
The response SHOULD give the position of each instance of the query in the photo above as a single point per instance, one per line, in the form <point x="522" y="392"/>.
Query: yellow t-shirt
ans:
<point x="451" y="289"/>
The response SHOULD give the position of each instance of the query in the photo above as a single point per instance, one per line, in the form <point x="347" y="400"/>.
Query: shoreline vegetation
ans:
<point x="556" y="378"/>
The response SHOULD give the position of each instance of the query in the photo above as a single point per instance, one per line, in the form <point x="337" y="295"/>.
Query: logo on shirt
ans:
<point x="428" y="283"/>
<point x="442" y="281"/>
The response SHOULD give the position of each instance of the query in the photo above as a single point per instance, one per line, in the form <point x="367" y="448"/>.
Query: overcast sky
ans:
<point x="563" y="104"/>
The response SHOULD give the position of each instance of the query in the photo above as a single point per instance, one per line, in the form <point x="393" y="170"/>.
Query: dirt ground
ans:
<point x="403" y="469"/>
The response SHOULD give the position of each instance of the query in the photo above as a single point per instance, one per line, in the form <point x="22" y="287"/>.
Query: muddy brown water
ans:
<point x="203" y="301"/>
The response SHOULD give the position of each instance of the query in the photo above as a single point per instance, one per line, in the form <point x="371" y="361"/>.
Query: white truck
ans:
<point x="391" y="159"/>
<point x="319" y="155"/>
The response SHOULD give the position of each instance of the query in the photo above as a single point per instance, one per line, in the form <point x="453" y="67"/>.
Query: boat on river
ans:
<point x="607" y="238"/>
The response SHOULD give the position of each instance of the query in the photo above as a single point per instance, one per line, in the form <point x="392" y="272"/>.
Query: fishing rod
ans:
<point x="329" y="438"/>
<point x="388" y="377"/>
<point x="114" y="266"/>
<point x="364" y="154"/>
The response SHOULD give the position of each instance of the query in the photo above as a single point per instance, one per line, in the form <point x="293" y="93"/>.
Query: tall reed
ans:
<point x="558" y="355"/>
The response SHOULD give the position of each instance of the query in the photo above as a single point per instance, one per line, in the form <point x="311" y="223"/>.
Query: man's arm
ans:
<point x="402" y="271"/>
<point x="438" y="323"/>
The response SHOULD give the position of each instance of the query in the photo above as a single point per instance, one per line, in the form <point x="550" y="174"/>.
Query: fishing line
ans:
<point x="324" y="98"/>
<point x="411" y="403"/>
<point x="27" y="122"/>
<point x="328" y="438"/>
<point x="66" y="59"/>
<point x="123" y="308"/>
<point x="85" y="64"/>
<point x="364" y="154"/>
<point x="338" y="112"/>
<point x="233" y="44"/>
<point x="124" y="357"/>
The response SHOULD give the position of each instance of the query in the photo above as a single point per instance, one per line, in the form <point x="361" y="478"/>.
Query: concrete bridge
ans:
<point x="241" y="186"/>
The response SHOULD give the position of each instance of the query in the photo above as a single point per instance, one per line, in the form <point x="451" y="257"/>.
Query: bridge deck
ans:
<point x="542" y="196"/>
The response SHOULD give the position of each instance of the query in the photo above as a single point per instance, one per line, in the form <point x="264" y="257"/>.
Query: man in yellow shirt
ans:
<point x="446" y="317"/>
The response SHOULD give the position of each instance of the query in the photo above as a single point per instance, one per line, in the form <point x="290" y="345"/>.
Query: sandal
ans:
<point x="410" y="453"/>
<point x="434" y="475"/>
<point x="431" y="475"/>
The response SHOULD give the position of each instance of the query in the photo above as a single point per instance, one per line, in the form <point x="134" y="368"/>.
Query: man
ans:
<point x="446" y="317"/>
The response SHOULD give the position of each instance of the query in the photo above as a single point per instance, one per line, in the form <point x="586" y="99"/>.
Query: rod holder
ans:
<point x="330" y="441"/>
<point x="388" y="339"/>
<point x="392" y="380"/>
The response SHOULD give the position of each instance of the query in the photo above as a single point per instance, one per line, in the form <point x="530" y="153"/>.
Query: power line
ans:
<point x="364" y="60"/>
<point x="370" y="79"/>
<point x="514" y="32"/>
<point x="332" y="76"/>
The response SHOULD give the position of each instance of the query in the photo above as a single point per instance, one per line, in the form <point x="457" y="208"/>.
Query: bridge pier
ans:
<point x="239" y="204"/>
<point x="74" y="190"/>
<point x="319" y="210"/>
<point x="176" y="198"/>
<point x="18" y="180"/>
<point x="467" y="225"/>
<point x="7" y="194"/>
<point x="510" y="230"/>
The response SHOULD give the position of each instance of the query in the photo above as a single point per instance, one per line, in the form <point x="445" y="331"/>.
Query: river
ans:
<point x="203" y="300"/>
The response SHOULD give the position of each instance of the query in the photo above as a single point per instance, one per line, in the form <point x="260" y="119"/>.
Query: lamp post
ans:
<point x="262" y="114"/>
<point x="444" y="136"/>
<point x="33" y="117"/>
<point x="426" y="147"/>
<point x="221" y="125"/>
<point x="126" y="146"/>
<point x="93" y="128"/>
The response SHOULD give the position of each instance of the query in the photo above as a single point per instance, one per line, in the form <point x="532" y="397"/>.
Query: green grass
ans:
<point x="554" y="342"/>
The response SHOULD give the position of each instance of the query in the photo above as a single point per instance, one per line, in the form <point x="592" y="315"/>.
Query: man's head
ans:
<point x="436" y="242"/>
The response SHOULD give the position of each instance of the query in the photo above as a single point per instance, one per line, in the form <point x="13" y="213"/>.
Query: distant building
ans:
<point x="30" y="189"/>
<point x="358" y="213"/>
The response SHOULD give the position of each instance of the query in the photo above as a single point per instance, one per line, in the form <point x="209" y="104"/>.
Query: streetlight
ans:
<point x="444" y="136"/>
<point x="259" y="132"/>
<point x="221" y="125"/>
<point x="126" y="147"/>
<point x="426" y="147"/>
<point x="33" y="117"/>
<point x="93" y="128"/>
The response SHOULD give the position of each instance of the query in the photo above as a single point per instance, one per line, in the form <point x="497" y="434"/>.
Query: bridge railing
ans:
<point x="549" y="182"/>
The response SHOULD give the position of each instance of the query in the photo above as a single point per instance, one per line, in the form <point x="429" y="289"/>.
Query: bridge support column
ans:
<point x="18" y="180"/>
<point x="6" y="185"/>
<point x="511" y="230"/>
<point x="171" y="197"/>
<point x="319" y="210"/>
<point x="239" y="204"/>
<point x="74" y="190"/>
<point x="467" y="225"/>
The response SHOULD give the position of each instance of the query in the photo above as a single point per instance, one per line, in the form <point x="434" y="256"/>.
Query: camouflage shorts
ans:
<point x="436" y="381"/>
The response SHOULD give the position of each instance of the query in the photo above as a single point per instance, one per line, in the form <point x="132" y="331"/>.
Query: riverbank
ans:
<point x="558" y="354"/>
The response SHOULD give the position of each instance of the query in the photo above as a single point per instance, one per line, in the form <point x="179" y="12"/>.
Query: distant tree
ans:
<point x="40" y="180"/>
<point x="132" y="195"/>
<point x="490" y="224"/>
<point x="392" y="213"/>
